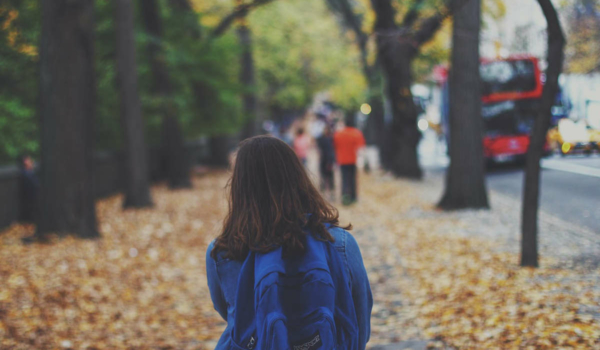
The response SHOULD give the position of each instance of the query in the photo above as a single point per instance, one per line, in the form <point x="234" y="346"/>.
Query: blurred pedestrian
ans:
<point x="302" y="145"/>
<point x="347" y="143"/>
<point x="284" y="135"/>
<point x="29" y="187"/>
<point x="317" y="127"/>
<point x="326" y="160"/>
<point x="278" y="228"/>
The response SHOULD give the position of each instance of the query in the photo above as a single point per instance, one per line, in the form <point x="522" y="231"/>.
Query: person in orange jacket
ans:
<point x="347" y="142"/>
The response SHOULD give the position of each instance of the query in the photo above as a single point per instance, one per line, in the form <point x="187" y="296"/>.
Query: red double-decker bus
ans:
<point x="511" y="91"/>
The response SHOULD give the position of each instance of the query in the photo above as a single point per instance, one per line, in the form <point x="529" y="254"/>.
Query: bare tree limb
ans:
<point x="413" y="14"/>
<point x="239" y="12"/>
<point x="428" y="29"/>
<point x="349" y="17"/>
<point x="354" y="23"/>
<point x="385" y="25"/>
<point x="430" y="26"/>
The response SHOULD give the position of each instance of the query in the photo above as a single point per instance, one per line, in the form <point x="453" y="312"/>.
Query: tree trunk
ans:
<point x="399" y="154"/>
<point x="175" y="154"/>
<point x="531" y="189"/>
<point x="465" y="180"/>
<point x="405" y="135"/>
<point x="252" y="125"/>
<point x="173" y="144"/>
<point x="220" y="147"/>
<point x="402" y="139"/>
<point x="375" y="121"/>
<point x="67" y="109"/>
<point x="137" y="185"/>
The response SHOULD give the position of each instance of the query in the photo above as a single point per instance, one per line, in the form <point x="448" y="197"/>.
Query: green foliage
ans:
<point x="433" y="53"/>
<point x="18" y="86"/>
<point x="204" y="78"/>
<point x="299" y="51"/>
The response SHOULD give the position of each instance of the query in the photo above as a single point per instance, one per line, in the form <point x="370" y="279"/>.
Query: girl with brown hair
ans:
<point x="276" y="213"/>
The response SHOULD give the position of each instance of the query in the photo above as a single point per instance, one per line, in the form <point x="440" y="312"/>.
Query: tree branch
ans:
<point x="354" y="23"/>
<point x="428" y="29"/>
<point x="430" y="26"/>
<point x="412" y="15"/>
<point x="239" y="12"/>
<point x="350" y="19"/>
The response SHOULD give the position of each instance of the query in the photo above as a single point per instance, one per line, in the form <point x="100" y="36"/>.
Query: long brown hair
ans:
<point x="271" y="201"/>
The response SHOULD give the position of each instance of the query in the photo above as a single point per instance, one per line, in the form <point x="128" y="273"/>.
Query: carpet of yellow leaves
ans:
<point x="473" y="297"/>
<point x="143" y="285"/>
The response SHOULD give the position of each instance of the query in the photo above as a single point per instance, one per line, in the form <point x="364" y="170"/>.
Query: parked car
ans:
<point x="570" y="137"/>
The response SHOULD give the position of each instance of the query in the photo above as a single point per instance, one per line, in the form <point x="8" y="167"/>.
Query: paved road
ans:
<point x="570" y="188"/>
<point x="570" y="185"/>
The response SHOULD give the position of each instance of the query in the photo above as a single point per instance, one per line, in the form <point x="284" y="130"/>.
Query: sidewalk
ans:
<point x="453" y="277"/>
<point x="445" y="280"/>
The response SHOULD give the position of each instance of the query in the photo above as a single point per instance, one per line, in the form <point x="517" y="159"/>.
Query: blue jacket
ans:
<point x="223" y="274"/>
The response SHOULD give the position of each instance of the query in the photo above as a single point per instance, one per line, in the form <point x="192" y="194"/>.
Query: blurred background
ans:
<point x="111" y="105"/>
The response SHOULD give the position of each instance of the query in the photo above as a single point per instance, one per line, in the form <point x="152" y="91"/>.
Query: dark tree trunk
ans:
<point x="531" y="189"/>
<point x="137" y="185"/>
<point x="404" y="136"/>
<point x="385" y="28"/>
<point x="173" y="144"/>
<point x="399" y="152"/>
<point x="375" y="121"/>
<point x="67" y="109"/>
<point x="175" y="154"/>
<point x="252" y="124"/>
<point x="220" y="147"/>
<point x="396" y="48"/>
<point x="465" y="180"/>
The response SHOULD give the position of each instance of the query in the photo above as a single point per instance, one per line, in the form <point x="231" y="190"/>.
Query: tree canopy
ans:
<point x="583" y="31"/>
<point x="300" y="49"/>
<point x="204" y="78"/>
<point x="19" y="21"/>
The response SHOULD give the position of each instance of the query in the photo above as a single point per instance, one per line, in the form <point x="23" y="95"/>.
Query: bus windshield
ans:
<point x="510" y="79"/>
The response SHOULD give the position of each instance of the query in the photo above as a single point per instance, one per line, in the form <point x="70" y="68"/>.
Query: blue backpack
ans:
<point x="296" y="303"/>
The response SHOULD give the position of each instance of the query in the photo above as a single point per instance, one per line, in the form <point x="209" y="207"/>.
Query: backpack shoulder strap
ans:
<point x="244" y="328"/>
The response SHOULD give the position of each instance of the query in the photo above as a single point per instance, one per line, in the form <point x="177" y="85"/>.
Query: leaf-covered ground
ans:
<point x="461" y="290"/>
<point x="143" y="285"/>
